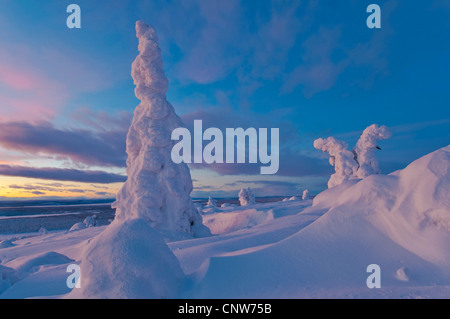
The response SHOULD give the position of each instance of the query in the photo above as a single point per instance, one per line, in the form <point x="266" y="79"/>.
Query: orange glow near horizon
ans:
<point x="19" y="187"/>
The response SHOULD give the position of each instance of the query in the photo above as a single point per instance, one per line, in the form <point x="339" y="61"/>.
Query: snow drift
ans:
<point x="293" y="249"/>
<point x="138" y="264"/>
<point x="398" y="221"/>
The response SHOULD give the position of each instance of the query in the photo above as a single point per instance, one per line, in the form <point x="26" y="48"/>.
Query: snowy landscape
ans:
<point x="162" y="245"/>
<point x="299" y="248"/>
<point x="259" y="150"/>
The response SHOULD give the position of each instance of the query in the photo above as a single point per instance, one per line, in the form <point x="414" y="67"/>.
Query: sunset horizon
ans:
<point x="68" y="98"/>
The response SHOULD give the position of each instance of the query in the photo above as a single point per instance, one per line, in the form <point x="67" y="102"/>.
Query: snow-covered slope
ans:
<point x="398" y="221"/>
<point x="291" y="249"/>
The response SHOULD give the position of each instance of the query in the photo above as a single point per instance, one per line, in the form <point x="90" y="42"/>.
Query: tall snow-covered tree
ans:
<point x="157" y="189"/>
<point x="130" y="258"/>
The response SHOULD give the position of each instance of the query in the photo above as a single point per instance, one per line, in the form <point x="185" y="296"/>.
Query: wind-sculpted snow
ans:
<point x="398" y="221"/>
<point x="281" y="249"/>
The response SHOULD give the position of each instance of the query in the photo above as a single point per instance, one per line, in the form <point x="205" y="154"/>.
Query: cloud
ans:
<point x="274" y="39"/>
<point x="317" y="72"/>
<point x="105" y="148"/>
<point x="62" y="174"/>
<point x="28" y="94"/>
<point x="58" y="188"/>
<point x="293" y="162"/>
<point x="225" y="37"/>
<point x="216" y="51"/>
<point x="320" y="68"/>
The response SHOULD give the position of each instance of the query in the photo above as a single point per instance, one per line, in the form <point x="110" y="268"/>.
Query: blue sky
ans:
<point x="311" y="68"/>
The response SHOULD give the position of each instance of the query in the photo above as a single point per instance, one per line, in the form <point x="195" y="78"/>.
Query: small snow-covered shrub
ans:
<point x="305" y="194"/>
<point x="246" y="197"/>
<point x="90" y="221"/>
<point x="211" y="202"/>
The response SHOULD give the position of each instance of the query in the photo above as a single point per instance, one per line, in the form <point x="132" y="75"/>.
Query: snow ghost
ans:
<point x="157" y="189"/>
<point x="357" y="164"/>
<point x="246" y="197"/>
<point x="130" y="258"/>
<point x="211" y="202"/>
<point x="342" y="159"/>
<point x="365" y="149"/>
<point x="305" y="194"/>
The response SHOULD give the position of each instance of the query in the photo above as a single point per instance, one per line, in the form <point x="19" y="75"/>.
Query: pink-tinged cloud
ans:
<point x="104" y="148"/>
<point x="18" y="80"/>
<point x="28" y="94"/>
<point x="37" y="82"/>
<point x="62" y="174"/>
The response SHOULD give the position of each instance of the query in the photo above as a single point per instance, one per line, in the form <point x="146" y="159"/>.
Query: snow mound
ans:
<point x="23" y="267"/>
<point x="402" y="274"/>
<point x="397" y="221"/>
<point x="50" y="258"/>
<point x="225" y="205"/>
<point x="128" y="259"/>
<point x="5" y="278"/>
<point x="90" y="221"/>
<point x="6" y="243"/>
<point x="410" y="206"/>
<point x="222" y="223"/>
<point x="77" y="226"/>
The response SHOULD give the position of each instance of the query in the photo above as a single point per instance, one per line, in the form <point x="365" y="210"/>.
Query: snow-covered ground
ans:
<point x="289" y="249"/>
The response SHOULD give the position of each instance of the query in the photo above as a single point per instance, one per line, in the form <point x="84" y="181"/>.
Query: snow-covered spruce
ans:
<point x="90" y="221"/>
<point x="211" y="202"/>
<point x="342" y="159"/>
<point x="359" y="163"/>
<point x="246" y="197"/>
<point x="130" y="258"/>
<point x="365" y="149"/>
<point x="305" y="194"/>
<point x="157" y="189"/>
